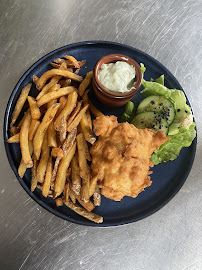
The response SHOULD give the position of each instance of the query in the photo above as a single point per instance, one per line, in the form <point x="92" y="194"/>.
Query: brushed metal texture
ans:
<point x="32" y="238"/>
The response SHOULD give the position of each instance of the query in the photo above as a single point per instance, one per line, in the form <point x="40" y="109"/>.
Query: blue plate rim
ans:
<point x="31" y="194"/>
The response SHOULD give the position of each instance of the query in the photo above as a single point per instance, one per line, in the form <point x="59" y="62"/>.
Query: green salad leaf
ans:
<point x="171" y="149"/>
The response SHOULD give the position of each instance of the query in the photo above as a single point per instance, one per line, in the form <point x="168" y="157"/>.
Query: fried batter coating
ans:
<point x="120" y="157"/>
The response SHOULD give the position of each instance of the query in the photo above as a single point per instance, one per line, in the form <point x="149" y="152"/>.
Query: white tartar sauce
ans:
<point x="117" y="77"/>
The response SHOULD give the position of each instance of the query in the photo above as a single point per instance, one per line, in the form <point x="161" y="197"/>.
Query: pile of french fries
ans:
<point x="55" y="135"/>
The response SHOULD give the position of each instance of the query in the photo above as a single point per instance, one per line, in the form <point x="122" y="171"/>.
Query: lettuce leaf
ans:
<point x="171" y="149"/>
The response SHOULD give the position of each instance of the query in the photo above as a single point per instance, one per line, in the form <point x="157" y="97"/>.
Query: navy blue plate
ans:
<point x="167" y="178"/>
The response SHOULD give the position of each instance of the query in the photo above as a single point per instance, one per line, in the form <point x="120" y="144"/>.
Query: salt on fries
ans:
<point x="55" y="135"/>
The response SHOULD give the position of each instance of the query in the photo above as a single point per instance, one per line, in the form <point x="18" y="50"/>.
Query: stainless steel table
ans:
<point x="31" y="237"/>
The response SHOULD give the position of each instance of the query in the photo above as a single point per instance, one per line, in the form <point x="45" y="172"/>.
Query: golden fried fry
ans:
<point x="33" y="128"/>
<point x="68" y="143"/>
<point x="57" y="152"/>
<point x="47" y="181"/>
<point x="53" y="72"/>
<point x="63" y="129"/>
<point x="75" y="175"/>
<point x="82" y="156"/>
<point x="93" y="183"/>
<point x="87" y="132"/>
<point x="66" y="192"/>
<point x="66" y="82"/>
<point x="69" y="106"/>
<point x="89" y="206"/>
<point x="34" y="178"/>
<point x="72" y="197"/>
<point x="22" y="120"/>
<point x="38" y="138"/>
<point x="52" y="136"/>
<point x="35" y="112"/>
<point x="72" y="60"/>
<point x="97" y="196"/>
<point x="85" y="83"/>
<point x="61" y="173"/>
<point x="54" y="173"/>
<point x="74" y="113"/>
<point x="14" y="130"/>
<point x="77" y="119"/>
<point x="47" y="87"/>
<point x="88" y="156"/>
<point x="24" y="142"/>
<point x="83" y="212"/>
<point x="59" y="202"/>
<point x="22" y="167"/>
<point x="35" y="79"/>
<point x="14" y="139"/>
<point x="20" y="103"/>
<point x="55" y="94"/>
<point x="45" y="153"/>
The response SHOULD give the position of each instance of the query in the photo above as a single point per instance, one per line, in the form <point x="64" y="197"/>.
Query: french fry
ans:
<point x="63" y="129"/>
<point x="35" y="112"/>
<point x="63" y="101"/>
<point x="92" y="186"/>
<point x="54" y="173"/>
<point x="59" y="202"/>
<point x="35" y="79"/>
<point x="53" y="72"/>
<point x="61" y="173"/>
<point x="14" y="130"/>
<point x="55" y="94"/>
<point x="88" y="156"/>
<point x="97" y="196"/>
<point x="47" y="181"/>
<point x="77" y="119"/>
<point x="85" y="83"/>
<point x="94" y="110"/>
<point x="53" y="88"/>
<point x="72" y="60"/>
<point x="45" y="153"/>
<point x="52" y="140"/>
<point x="75" y="175"/>
<point x="68" y="108"/>
<point x="14" y="139"/>
<point x="82" y="156"/>
<point x="69" y="141"/>
<point x="68" y="62"/>
<point x="66" y="82"/>
<point x="83" y="212"/>
<point x="57" y="152"/>
<point x="33" y="128"/>
<point x="89" y="206"/>
<point x="74" y="113"/>
<point x="87" y="132"/>
<point x="34" y="177"/>
<point x="38" y="138"/>
<point x="48" y="86"/>
<point x="72" y="197"/>
<point x="24" y="142"/>
<point x="20" y="103"/>
<point x="66" y="192"/>
<point x="22" y="167"/>
<point x="85" y="101"/>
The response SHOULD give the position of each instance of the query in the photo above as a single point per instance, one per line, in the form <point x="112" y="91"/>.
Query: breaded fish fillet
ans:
<point x="121" y="156"/>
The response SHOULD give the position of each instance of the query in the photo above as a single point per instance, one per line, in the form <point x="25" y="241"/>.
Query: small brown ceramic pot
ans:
<point x="110" y="98"/>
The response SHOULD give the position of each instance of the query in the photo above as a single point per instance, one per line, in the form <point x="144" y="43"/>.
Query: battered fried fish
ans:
<point x="120" y="157"/>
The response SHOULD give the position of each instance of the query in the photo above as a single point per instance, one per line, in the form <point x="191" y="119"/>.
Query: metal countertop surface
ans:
<point x="31" y="237"/>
